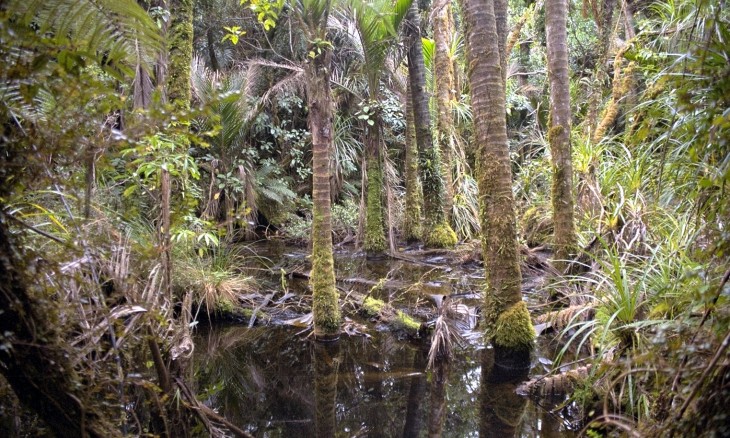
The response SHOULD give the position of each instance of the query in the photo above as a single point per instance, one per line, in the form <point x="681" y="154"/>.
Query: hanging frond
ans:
<point x="119" y="34"/>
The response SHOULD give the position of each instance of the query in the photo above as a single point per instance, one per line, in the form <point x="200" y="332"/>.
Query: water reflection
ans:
<point x="501" y="409"/>
<point x="326" y="358"/>
<point x="414" y="413"/>
<point x="271" y="382"/>
<point x="440" y="376"/>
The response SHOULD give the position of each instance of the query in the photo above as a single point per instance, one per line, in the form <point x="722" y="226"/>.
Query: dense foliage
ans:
<point x="94" y="138"/>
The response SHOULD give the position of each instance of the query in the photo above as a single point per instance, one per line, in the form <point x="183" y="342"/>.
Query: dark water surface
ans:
<point x="273" y="381"/>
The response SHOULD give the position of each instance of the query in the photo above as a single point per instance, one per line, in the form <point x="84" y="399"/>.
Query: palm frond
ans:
<point x="113" y="31"/>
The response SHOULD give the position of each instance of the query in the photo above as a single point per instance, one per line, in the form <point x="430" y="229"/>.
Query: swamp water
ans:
<point x="275" y="381"/>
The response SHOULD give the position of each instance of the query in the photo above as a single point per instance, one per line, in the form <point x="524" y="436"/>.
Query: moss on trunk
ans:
<point x="498" y="221"/>
<point x="513" y="329"/>
<point x="375" y="241"/>
<point x="444" y="84"/>
<point x="412" y="228"/>
<point x="556" y="12"/>
<point x="325" y="300"/>
<point x="429" y="158"/>
<point x="180" y="49"/>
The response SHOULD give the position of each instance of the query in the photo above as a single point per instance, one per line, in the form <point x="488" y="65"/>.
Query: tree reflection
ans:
<point x="326" y="359"/>
<point x="501" y="409"/>
<point x="412" y="427"/>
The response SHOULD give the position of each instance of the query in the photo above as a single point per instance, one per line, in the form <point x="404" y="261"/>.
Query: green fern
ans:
<point x="118" y="34"/>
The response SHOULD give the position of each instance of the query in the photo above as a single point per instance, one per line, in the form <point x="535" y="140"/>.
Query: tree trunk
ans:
<point x="375" y="241"/>
<point x="412" y="216"/>
<point x="556" y="20"/>
<point x="438" y="232"/>
<point x="507" y="320"/>
<point x="500" y="17"/>
<point x="325" y="296"/>
<point x="443" y="81"/>
<point x="180" y="50"/>
<point x="214" y="64"/>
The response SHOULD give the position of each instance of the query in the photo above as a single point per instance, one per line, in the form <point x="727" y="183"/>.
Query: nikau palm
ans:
<point x="556" y="19"/>
<point x="437" y="231"/>
<point x="508" y="322"/>
<point x="325" y="307"/>
<point x="376" y="24"/>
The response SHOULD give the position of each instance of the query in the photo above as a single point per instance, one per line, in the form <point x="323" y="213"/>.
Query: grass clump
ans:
<point x="212" y="279"/>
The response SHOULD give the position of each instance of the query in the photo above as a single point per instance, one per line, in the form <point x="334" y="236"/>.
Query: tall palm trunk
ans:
<point x="556" y="20"/>
<point x="437" y="232"/>
<point x="375" y="241"/>
<point x="412" y="215"/>
<point x="444" y="84"/>
<point x="325" y="304"/>
<point x="500" y="17"/>
<point x="507" y="320"/>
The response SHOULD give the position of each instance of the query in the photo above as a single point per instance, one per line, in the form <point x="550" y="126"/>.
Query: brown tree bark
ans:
<point x="443" y="80"/>
<point x="319" y="98"/>
<point x="437" y="232"/>
<point x="507" y="320"/>
<point x="556" y="20"/>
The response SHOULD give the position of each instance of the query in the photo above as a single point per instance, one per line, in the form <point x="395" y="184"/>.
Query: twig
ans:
<point x="35" y="230"/>
<point x="707" y="372"/>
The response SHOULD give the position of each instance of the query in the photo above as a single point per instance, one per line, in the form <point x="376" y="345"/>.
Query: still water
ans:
<point x="274" y="381"/>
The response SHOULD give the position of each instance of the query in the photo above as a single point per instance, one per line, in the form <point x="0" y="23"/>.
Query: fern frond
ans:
<point x="112" y="31"/>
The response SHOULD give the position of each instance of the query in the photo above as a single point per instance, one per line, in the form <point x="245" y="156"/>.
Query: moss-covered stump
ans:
<point x="397" y="320"/>
<point x="440" y="236"/>
<point x="514" y="330"/>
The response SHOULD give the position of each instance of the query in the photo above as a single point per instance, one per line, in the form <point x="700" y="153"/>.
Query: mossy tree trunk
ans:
<point x="443" y="85"/>
<point x="507" y="319"/>
<point x="556" y="20"/>
<point x="437" y="232"/>
<point x="375" y="240"/>
<point x="325" y="304"/>
<point x="413" y="202"/>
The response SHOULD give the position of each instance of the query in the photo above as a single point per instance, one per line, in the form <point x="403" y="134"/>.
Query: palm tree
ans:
<point x="437" y="232"/>
<point x="508" y="322"/>
<point x="556" y="18"/>
<point x="443" y="83"/>
<point x="376" y="23"/>
<point x="239" y="183"/>
<point x="313" y="15"/>
<point x="412" y="228"/>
